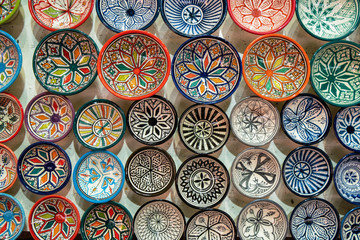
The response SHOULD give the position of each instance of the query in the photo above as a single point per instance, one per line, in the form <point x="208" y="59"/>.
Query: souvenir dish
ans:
<point x="350" y="225"/>
<point x="11" y="116"/>
<point x="8" y="173"/>
<point x="9" y="10"/>
<point x="12" y="217"/>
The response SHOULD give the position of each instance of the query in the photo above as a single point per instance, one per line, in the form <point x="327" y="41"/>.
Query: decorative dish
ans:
<point x="350" y="225"/>
<point x="11" y="116"/>
<point x="8" y="173"/>
<point x="8" y="10"/>
<point x="12" y="217"/>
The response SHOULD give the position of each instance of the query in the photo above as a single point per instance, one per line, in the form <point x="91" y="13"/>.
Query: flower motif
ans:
<point x="348" y="127"/>
<point x="9" y="226"/>
<point x="351" y="226"/>
<point x="8" y="118"/>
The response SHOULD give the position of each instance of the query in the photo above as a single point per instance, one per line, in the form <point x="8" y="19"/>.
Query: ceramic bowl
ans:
<point x="64" y="62"/>
<point x="9" y="10"/>
<point x="254" y="121"/>
<point x="306" y="119"/>
<point x="134" y="65"/>
<point x="44" y="168"/>
<point x="150" y="171"/>
<point x="98" y="176"/>
<point x="159" y="219"/>
<point x="12" y="217"/>
<point x="328" y="20"/>
<point x="350" y="225"/>
<point x="346" y="178"/>
<point x="152" y="121"/>
<point x="347" y="127"/>
<point x="191" y="18"/>
<point x="204" y="129"/>
<point x="334" y="73"/>
<point x="99" y="124"/>
<point x="314" y="218"/>
<point x="307" y="171"/>
<point x="125" y="15"/>
<point x="262" y="218"/>
<point x="54" y="15"/>
<point x="106" y="221"/>
<point x="206" y="69"/>
<point x="8" y="173"/>
<point x="11" y="116"/>
<point x="276" y="67"/>
<point x="54" y="217"/>
<point x="49" y="117"/>
<point x="261" y="17"/>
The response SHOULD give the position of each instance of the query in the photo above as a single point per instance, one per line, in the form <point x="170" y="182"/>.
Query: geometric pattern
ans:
<point x="8" y="163"/>
<point x="347" y="127"/>
<point x="11" y="116"/>
<point x="350" y="225"/>
<point x="12" y="217"/>
<point x="8" y="9"/>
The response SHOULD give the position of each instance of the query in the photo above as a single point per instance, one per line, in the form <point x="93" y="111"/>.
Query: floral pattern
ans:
<point x="11" y="116"/>
<point x="8" y="164"/>
<point x="12" y="217"/>
<point x="350" y="225"/>
<point x="347" y="127"/>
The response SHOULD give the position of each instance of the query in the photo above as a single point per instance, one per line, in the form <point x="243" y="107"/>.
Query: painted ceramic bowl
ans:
<point x="276" y="67"/>
<point x="202" y="181"/>
<point x="152" y="120"/>
<point x="125" y="15"/>
<point x="314" y="218"/>
<point x="54" y="217"/>
<point x="256" y="173"/>
<point x="12" y="217"/>
<point x="10" y="57"/>
<point x="8" y="173"/>
<point x="44" y="168"/>
<point x="150" y="171"/>
<point x="347" y="127"/>
<point x="210" y="224"/>
<point x="11" y="116"/>
<point x="206" y="69"/>
<point x="134" y="65"/>
<point x="49" y="117"/>
<point x="347" y="178"/>
<point x="204" y="129"/>
<point x="334" y="73"/>
<point x="307" y="171"/>
<point x="99" y="124"/>
<point x="98" y="176"/>
<point x="350" y="225"/>
<point x="9" y="10"/>
<point x="64" y="62"/>
<point x="54" y="15"/>
<point x="261" y="17"/>
<point x="254" y="121"/>
<point x="159" y="219"/>
<point x="261" y="219"/>
<point x="306" y="119"/>
<point x="328" y="20"/>
<point x="191" y="18"/>
<point x="106" y="221"/>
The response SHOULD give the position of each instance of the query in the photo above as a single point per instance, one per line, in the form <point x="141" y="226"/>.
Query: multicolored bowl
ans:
<point x="12" y="217"/>
<point x="8" y="163"/>
<point x="11" y="116"/>
<point x="9" y="10"/>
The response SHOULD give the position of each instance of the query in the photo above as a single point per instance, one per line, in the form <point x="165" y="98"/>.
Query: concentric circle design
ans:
<point x="8" y="10"/>
<point x="350" y="225"/>
<point x="347" y="127"/>
<point x="12" y="217"/>
<point x="11" y="116"/>
<point x="8" y="173"/>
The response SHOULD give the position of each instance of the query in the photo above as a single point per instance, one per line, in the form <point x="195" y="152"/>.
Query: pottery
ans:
<point x="12" y="217"/>
<point x="8" y="173"/>
<point x="9" y="10"/>
<point x="11" y="116"/>
<point x="350" y="225"/>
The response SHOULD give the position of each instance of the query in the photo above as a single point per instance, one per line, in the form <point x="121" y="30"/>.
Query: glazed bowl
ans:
<point x="9" y="10"/>
<point x="64" y="62"/>
<point x="276" y="67"/>
<point x="11" y="116"/>
<point x="206" y="69"/>
<point x="350" y="225"/>
<point x="12" y="217"/>
<point x="53" y="15"/>
<point x="8" y="173"/>
<point x="134" y="65"/>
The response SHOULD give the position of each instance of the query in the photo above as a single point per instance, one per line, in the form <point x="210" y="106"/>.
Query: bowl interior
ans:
<point x="12" y="216"/>
<point x="11" y="117"/>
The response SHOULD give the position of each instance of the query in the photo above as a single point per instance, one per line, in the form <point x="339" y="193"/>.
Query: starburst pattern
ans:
<point x="347" y="127"/>
<point x="12" y="217"/>
<point x="350" y="225"/>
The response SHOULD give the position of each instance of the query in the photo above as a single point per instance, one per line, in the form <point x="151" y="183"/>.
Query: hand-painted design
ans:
<point x="209" y="225"/>
<point x="262" y="220"/>
<point x="350" y="225"/>
<point x="152" y="120"/>
<point x="159" y="220"/>
<point x="64" y="62"/>
<point x="134" y="65"/>
<point x="261" y="17"/>
<point x="60" y="14"/>
<point x="256" y="173"/>
<point x="12" y="217"/>
<point x="127" y="15"/>
<point x="204" y="128"/>
<point x="49" y="117"/>
<point x="307" y="171"/>
<point x="347" y="178"/>
<point x="8" y="163"/>
<point x="276" y="67"/>
<point x="99" y="124"/>
<point x="255" y="121"/>
<point x="106" y="221"/>
<point x="314" y="218"/>
<point x="11" y="116"/>
<point x="206" y="69"/>
<point x="195" y="17"/>
<point x="347" y="127"/>
<point x="202" y="181"/>
<point x="54" y="217"/>
<point x="334" y="73"/>
<point x="150" y="171"/>
<point x="8" y="9"/>
<point x="99" y="176"/>
<point x="328" y="19"/>
<point x="44" y="168"/>
<point x="306" y="119"/>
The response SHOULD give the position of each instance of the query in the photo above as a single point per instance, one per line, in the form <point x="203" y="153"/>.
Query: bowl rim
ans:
<point x="15" y="160"/>
<point x="343" y="220"/>
<point x="133" y="32"/>
<point x="12" y="13"/>
<point x="17" y="101"/>
<point x="300" y="48"/>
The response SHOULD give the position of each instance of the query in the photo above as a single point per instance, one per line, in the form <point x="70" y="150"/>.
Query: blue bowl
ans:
<point x="350" y="225"/>
<point x="11" y="214"/>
